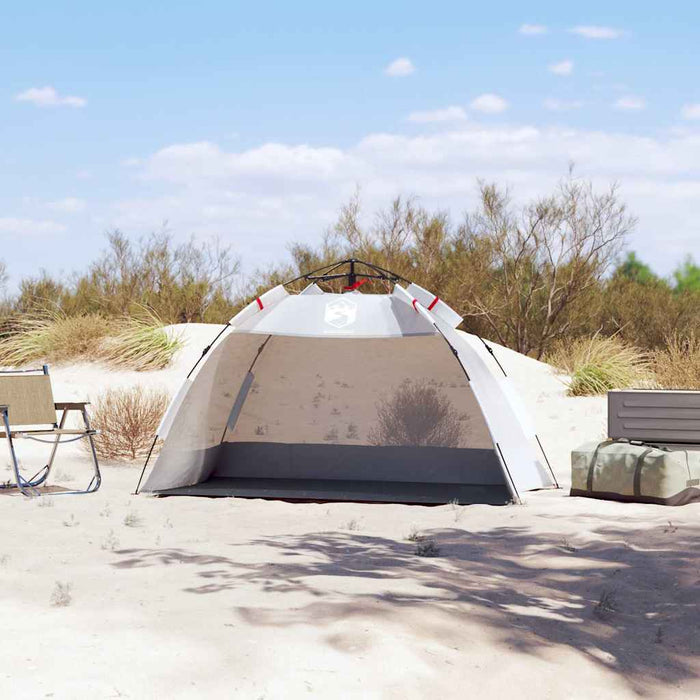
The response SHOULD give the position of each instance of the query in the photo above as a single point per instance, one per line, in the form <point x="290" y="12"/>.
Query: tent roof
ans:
<point x="314" y="313"/>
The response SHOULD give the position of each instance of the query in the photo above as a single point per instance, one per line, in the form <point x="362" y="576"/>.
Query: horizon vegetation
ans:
<point x="544" y="278"/>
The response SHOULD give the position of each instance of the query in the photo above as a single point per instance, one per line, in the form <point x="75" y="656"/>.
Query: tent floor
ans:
<point x="338" y="490"/>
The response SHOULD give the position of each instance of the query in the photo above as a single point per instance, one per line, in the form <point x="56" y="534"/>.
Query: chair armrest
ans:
<point x="71" y="405"/>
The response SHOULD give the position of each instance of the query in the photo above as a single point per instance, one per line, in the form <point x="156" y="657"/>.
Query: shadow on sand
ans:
<point x="627" y="600"/>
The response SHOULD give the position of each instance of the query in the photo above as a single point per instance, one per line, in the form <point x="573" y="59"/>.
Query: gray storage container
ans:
<point x="663" y="417"/>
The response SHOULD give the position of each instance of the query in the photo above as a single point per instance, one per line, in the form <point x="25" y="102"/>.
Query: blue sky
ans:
<point x="254" y="122"/>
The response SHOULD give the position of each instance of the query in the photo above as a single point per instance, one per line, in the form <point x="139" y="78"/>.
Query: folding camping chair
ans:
<point x="27" y="410"/>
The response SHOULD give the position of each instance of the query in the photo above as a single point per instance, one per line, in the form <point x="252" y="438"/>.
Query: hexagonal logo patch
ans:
<point x="340" y="313"/>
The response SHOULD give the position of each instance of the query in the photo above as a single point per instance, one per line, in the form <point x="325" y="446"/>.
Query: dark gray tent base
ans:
<point x="340" y="490"/>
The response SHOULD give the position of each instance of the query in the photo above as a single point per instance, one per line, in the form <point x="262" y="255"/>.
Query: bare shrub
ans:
<point x="414" y="534"/>
<point x="596" y="365"/>
<point x="127" y="420"/>
<point x="416" y="414"/>
<point x="606" y="605"/>
<point x="677" y="365"/>
<point x="351" y="525"/>
<point x="61" y="595"/>
<point x="427" y="548"/>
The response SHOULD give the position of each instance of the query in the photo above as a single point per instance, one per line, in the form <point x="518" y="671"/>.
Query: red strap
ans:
<point x="357" y="284"/>
<point x="260" y="304"/>
<point x="415" y="308"/>
<point x="433" y="302"/>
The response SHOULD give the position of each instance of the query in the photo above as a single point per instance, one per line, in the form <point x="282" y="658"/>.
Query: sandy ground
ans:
<point x="181" y="597"/>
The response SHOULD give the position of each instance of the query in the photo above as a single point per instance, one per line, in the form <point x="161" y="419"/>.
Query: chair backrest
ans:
<point x="29" y="396"/>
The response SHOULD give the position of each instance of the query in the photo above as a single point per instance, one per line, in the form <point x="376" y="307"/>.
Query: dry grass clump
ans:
<point x="596" y="365"/>
<point x="677" y="366"/>
<point x="141" y="344"/>
<point x="51" y="336"/>
<point x="127" y="420"/>
<point x="54" y="337"/>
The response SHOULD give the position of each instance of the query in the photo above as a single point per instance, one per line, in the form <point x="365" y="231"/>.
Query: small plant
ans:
<point x="132" y="519"/>
<point x="4" y="559"/>
<point x="414" y="535"/>
<point x="61" y="596"/>
<point x="260" y="430"/>
<point x="606" y="605"/>
<point x="335" y="411"/>
<point x="567" y="545"/>
<point x="168" y="524"/>
<point x="427" y="548"/>
<point x="670" y="528"/>
<point x="71" y="522"/>
<point x="111" y="542"/>
<point x="352" y="525"/>
<point x="596" y="365"/>
<point x="456" y="509"/>
<point x="352" y="432"/>
<point x="44" y="501"/>
<point x="106" y="510"/>
<point x="126" y="420"/>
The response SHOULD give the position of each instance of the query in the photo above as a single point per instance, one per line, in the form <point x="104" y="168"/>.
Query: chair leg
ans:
<point x="25" y="487"/>
<point x="97" y="478"/>
<point x="48" y="466"/>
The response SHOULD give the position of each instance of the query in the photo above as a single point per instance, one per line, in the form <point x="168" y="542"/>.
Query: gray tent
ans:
<point x="372" y="397"/>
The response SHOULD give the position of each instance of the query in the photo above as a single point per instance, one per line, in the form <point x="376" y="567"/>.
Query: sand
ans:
<point x="182" y="597"/>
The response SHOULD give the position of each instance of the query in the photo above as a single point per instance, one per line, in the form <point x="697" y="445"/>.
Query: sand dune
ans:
<point x="179" y="597"/>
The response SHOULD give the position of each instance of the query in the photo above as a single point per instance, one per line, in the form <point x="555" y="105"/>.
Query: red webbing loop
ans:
<point x="357" y="284"/>
<point x="415" y="308"/>
<point x="433" y="302"/>
<point x="260" y="304"/>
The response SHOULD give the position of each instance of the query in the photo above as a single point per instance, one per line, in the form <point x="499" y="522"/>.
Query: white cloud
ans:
<point x="691" y="111"/>
<point x="260" y="199"/>
<point x="447" y="114"/>
<point x="68" y="205"/>
<point x="556" y="105"/>
<point x="48" y="97"/>
<point x="489" y="104"/>
<point x="630" y="103"/>
<point x="532" y="29"/>
<point x="400" y="68"/>
<point x="562" y="68"/>
<point x="591" y="31"/>
<point x="29" y="227"/>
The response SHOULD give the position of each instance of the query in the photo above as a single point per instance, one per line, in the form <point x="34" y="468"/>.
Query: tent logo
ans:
<point x="340" y="313"/>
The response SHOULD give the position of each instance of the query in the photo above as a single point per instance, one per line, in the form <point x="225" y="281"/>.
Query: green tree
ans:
<point x="687" y="276"/>
<point x="632" y="268"/>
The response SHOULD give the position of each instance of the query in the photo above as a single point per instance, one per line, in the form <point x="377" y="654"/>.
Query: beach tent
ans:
<point x="348" y="396"/>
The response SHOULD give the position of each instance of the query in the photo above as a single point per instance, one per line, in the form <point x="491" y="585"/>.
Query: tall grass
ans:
<point x="51" y="336"/>
<point x="598" y="364"/>
<point x="141" y="344"/>
<point x="677" y="365"/>
<point x="54" y="337"/>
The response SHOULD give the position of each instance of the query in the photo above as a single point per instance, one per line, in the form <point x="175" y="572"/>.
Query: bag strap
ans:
<point x="591" y="466"/>
<point x="638" y="471"/>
